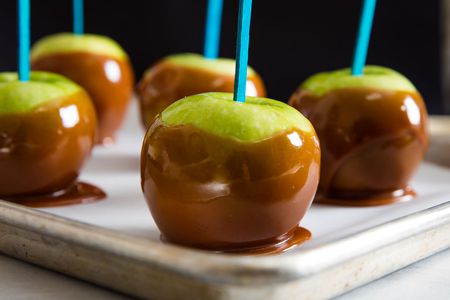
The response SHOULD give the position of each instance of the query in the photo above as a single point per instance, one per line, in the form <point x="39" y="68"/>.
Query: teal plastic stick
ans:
<point x="243" y="33"/>
<point x="363" y="39"/>
<point x="78" y="17"/>
<point x="212" y="30"/>
<point x="24" y="39"/>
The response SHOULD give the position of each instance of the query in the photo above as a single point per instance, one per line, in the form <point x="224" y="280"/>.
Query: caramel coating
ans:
<point x="167" y="82"/>
<point x="41" y="152"/>
<point x="222" y="194"/>
<point x="372" y="141"/>
<point x="109" y="82"/>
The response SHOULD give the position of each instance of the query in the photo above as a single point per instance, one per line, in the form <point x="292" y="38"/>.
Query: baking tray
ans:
<point x="115" y="243"/>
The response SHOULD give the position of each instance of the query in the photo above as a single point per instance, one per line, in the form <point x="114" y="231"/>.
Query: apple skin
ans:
<point x="181" y="75"/>
<point x="372" y="131"/>
<point x="225" y="189"/>
<point x="44" y="141"/>
<point x="96" y="63"/>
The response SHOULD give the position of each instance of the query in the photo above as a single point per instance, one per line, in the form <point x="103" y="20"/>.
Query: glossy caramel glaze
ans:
<point x="372" y="141"/>
<point x="167" y="82"/>
<point x="109" y="82"/>
<point x="76" y="193"/>
<point x="41" y="152"/>
<point x="221" y="194"/>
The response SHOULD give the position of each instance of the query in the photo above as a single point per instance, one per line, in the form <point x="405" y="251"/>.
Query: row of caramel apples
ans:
<point x="217" y="174"/>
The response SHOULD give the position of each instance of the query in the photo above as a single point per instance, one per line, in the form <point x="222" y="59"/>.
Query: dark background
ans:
<point x="290" y="40"/>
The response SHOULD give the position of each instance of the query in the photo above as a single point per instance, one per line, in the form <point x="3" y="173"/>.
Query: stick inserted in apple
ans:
<point x="181" y="75"/>
<point x="99" y="65"/>
<point x="230" y="172"/>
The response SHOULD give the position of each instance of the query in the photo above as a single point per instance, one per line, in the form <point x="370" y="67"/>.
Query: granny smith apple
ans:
<point x="181" y="75"/>
<point x="372" y="130"/>
<point x="375" y="77"/>
<point x="99" y="65"/>
<point x="47" y="130"/>
<point x="224" y="175"/>
<point x="24" y="97"/>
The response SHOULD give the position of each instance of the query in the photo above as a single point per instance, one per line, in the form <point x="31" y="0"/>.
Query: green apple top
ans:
<point x="374" y="77"/>
<point x="69" y="43"/>
<point x="42" y="88"/>
<point x="254" y="120"/>
<point x="224" y="66"/>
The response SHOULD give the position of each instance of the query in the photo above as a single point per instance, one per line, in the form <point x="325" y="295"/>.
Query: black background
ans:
<point x="290" y="40"/>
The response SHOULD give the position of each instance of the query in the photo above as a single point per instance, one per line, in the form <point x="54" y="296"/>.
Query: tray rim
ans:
<point x="222" y="268"/>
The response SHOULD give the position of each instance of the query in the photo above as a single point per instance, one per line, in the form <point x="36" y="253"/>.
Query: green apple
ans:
<point x="254" y="120"/>
<point x="219" y="65"/>
<point x="69" y="43"/>
<point x="23" y="97"/>
<point x="375" y="77"/>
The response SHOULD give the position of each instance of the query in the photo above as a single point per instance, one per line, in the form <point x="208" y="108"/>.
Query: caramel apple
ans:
<point x="181" y="75"/>
<point x="47" y="130"/>
<point x="372" y="130"/>
<point x="99" y="65"/>
<point x="228" y="176"/>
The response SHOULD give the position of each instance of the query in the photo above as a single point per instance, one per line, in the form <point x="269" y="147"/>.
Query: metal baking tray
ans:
<point x="115" y="243"/>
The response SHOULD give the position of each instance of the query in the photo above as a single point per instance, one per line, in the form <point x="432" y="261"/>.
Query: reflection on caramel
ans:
<point x="372" y="141"/>
<point x="109" y="82"/>
<point x="76" y="193"/>
<point x="41" y="152"/>
<point x="167" y="82"/>
<point x="222" y="194"/>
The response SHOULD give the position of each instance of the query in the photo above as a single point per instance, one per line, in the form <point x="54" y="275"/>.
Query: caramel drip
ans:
<point x="77" y="193"/>
<point x="294" y="238"/>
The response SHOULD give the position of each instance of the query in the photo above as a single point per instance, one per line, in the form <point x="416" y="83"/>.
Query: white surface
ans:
<point x="21" y="281"/>
<point x="116" y="170"/>
<point x="428" y="279"/>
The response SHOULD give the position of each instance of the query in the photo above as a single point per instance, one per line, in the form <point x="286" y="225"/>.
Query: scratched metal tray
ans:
<point x="115" y="244"/>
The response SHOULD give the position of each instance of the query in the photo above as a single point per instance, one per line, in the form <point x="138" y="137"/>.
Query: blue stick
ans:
<point x="78" y="17"/>
<point x="24" y="39"/>
<point x="243" y="33"/>
<point x="362" y="42"/>
<point x="212" y="30"/>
